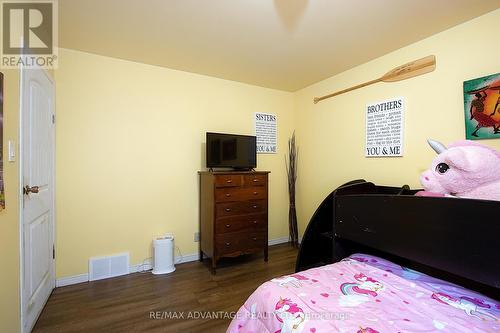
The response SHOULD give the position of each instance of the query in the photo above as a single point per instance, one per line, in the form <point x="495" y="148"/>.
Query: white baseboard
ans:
<point x="144" y="266"/>
<point x="147" y="265"/>
<point x="277" y="241"/>
<point x="69" y="280"/>
<point x="187" y="258"/>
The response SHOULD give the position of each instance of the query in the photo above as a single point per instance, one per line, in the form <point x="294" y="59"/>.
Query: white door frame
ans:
<point x="22" y="73"/>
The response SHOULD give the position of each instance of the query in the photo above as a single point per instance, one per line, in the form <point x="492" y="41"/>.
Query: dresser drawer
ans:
<point x="254" y="222"/>
<point x="228" y="194"/>
<point x="255" y="180"/>
<point x="240" y="208"/>
<point x="240" y="242"/>
<point x="228" y="180"/>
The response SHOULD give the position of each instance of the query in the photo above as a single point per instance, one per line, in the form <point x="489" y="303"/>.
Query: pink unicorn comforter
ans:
<point x="364" y="294"/>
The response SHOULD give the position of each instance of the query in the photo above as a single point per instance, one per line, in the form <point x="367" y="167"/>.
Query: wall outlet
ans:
<point x="196" y="236"/>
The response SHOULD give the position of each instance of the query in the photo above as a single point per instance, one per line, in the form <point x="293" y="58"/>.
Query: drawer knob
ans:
<point x="228" y="243"/>
<point x="229" y="181"/>
<point x="254" y="206"/>
<point x="255" y="222"/>
<point x="254" y="238"/>
<point x="255" y="180"/>
<point x="228" y="195"/>
<point x="255" y="193"/>
<point x="228" y="209"/>
<point x="228" y="225"/>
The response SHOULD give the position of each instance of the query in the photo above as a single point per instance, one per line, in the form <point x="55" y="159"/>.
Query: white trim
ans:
<point x="277" y="241"/>
<point x="20" y="162"/>
<point x="137" y="268"/>
<point x="69" y="280"/>
<point x="147" y="265"/>
<point x="188" y="258"/>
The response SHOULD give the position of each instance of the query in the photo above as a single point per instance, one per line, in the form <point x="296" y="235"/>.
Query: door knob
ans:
<point x="33" y="189"/>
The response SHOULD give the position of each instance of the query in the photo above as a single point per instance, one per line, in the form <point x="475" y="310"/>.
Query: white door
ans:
<point x="37" y="229"/>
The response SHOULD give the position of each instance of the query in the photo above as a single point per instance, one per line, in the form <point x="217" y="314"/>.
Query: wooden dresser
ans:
<point x="233" y="214"/>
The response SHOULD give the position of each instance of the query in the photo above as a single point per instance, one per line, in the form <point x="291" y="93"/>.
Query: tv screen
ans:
<point x="231" y="151"/>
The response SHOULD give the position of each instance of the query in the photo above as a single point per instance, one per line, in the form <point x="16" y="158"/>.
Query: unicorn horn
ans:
<point x="438" y="147"/>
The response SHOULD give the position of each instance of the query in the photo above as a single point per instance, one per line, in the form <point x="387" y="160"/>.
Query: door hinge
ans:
<point x="53" y="251"/>
<point x="53" y="119"/>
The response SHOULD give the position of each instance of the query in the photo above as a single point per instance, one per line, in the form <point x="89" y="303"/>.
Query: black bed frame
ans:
<point x="450" y="238"/>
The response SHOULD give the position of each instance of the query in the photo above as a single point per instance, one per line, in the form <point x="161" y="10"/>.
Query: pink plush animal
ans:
<point x="465" y="169"/>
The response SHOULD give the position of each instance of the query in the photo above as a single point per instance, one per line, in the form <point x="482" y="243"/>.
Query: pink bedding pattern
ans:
<point x="364" y="294"/>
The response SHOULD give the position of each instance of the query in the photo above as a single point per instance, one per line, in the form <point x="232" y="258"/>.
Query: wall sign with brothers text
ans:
<point x="384" y="128"/>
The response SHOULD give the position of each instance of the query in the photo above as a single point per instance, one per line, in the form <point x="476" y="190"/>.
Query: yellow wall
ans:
<point x="9" y="218"/>
<point x="331" y="134"/>
<point x="130" y="138"/>
<point x="129" y="145"/>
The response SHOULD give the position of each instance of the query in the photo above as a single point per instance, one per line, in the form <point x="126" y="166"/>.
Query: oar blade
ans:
<point x="406" y="71"/>
<point x="411" y="69"/>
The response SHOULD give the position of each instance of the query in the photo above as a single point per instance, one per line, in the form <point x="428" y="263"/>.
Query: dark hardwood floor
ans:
<point x="128" y="303"/>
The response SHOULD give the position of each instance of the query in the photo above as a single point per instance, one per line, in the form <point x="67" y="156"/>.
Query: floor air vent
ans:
<point x="109" y="266"/>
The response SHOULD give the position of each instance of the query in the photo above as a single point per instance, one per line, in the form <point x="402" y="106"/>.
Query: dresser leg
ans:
<point x="214" y="263"/>
<point x="266" y="254"/>
<point x="201" y="256"/>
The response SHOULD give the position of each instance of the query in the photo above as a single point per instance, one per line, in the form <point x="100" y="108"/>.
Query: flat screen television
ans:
<point x="231" y="151"/>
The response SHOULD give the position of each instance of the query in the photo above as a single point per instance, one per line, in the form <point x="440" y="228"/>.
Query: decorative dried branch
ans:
<point x="291" y="170"/>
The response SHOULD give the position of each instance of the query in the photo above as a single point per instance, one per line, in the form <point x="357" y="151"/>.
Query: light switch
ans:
<point x="11" y="151"/>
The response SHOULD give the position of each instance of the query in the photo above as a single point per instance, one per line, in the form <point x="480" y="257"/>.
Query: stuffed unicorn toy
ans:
<point x="465" y="169"/>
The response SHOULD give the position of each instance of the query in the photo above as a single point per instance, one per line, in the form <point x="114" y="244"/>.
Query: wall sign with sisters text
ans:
<point x="266" y="133"/>
<point x="384" y="128"/>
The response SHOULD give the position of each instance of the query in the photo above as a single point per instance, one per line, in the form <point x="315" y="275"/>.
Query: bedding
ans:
<point x="364" y="294"/>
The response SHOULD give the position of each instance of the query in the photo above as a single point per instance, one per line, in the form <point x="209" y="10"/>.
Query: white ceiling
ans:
<point x="282" y="44"/>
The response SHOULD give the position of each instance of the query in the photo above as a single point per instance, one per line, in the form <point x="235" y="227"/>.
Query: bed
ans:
<point x="360" y="290"/>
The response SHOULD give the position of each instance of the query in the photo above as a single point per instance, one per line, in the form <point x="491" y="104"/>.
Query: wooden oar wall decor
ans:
<point x="403" y="72"/>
